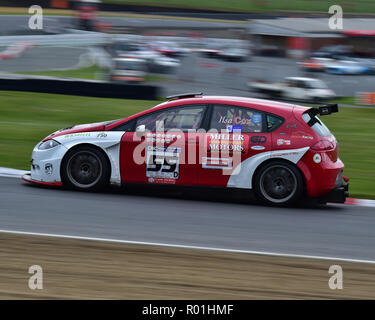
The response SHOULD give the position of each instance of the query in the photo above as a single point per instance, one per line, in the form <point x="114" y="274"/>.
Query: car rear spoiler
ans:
<point x="324" y="110"/>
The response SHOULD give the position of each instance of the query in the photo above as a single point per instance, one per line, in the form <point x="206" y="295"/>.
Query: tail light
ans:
<point x="323" y="145"/>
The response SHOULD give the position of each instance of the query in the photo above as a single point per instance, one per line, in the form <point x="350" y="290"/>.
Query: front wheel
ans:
<point x="85" y="168"/>
<point x="278" y="183"/>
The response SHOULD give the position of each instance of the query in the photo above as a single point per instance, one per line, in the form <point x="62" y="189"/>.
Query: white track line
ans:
<point x="179" y="246"/>
<point x="11" y="173"/>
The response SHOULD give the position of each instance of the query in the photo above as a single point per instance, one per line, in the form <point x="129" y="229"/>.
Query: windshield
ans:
<point x="317" y="84"/>
<point x="124" y="46"/>
<point x="130" y="65"/>
<point x="317" y="125"/>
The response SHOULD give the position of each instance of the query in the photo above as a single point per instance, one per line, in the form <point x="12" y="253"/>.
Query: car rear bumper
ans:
<point x="337" y="195"/>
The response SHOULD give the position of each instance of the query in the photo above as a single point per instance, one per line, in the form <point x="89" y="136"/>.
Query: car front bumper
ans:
<point x="27" y="177"/>
<point x="45" y="164"/>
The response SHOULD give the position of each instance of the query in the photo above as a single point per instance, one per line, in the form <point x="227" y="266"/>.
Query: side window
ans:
<point x="127" y="126"/>
<point x="182" y="118"/>
<point x="273" y="122"/>
<point x="231" y="118"/>
<point x="302" y="84"/>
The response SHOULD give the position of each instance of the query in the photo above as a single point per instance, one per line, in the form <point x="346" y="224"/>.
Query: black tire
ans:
<point x="278" y="183"/>
<point x="85" y="168"/>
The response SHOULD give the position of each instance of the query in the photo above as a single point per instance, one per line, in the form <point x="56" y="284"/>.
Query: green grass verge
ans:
<point x="344" y="100"/>
<point x="91" y="73"/>
<point x="349" y="100"/>
<point x="354" y="130"/>
<point x="26" y="118"/>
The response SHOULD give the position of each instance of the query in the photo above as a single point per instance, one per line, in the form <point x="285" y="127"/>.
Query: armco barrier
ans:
<point x="81" y="88"/>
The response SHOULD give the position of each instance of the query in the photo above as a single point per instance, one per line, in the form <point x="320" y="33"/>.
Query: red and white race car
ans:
<point x="281" y="151"/>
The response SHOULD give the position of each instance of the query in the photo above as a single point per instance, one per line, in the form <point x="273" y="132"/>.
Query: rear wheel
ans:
<point x="278" y="183"/>
<point x="85" y="168"/>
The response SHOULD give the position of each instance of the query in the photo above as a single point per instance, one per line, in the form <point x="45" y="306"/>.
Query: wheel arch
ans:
<point x="242" y="176"/>
<point x="276" y="159"/>
<point x="94" y="146"/>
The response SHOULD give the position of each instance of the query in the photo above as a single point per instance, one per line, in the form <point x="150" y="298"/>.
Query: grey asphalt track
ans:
<point x="222" y="77"/>
<point x="41" y="59"/>
<point x="333" y="231"/>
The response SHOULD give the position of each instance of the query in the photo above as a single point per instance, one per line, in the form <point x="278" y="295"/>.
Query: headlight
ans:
<point x="48" y="144"/>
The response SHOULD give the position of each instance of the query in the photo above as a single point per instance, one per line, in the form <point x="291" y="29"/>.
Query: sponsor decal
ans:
<point x="239" y="120"/>
<point x="282" y="142"/>
<point x="216" y="163"/>
<point x="229" y="137"/>
<point x="256" y="118"/>
<point x="162" y="162"/>
<point x="161" y="137"/>
<point x="237" y="128"/>
<point x="307" y="137"/>
<point x="258" y="139"/>
<point x="226" y="142"/>
<point x="162" y="180"/>
<point x="285" y="154"/>
<point x="101" y="135"/>
<point x="317" y="158"/>
<point x="301" y="135"/>
<point x="258" y="147"/>
<point x="79" y="134"/>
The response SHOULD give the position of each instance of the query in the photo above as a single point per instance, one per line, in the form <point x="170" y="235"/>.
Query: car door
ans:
<point x="161" y="154"/>
<point x="235" y="134"/>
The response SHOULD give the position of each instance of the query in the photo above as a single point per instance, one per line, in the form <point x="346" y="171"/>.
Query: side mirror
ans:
<point x="140" y="130"/>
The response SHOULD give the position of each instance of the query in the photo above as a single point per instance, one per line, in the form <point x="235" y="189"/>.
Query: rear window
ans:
<point x="317" y="125"/>
<point x="273" y="122"/>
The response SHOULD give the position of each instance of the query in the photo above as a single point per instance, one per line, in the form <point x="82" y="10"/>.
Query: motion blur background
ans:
<point x="283" y="50"/>
<point x="125" y="56"/>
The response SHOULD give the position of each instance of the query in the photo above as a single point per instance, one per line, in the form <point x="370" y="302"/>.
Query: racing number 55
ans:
<point x="163" y="164"/>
